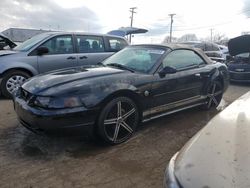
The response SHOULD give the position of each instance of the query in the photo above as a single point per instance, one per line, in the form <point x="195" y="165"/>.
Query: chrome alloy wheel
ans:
<point x="14" y="82"/>
<point x="120" y="120"/>
<point x="214" y="94"/>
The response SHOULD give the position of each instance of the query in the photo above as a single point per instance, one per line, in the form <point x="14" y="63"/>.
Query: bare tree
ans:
<point x="188" y="37"/>
<point x="218" y="38"/>
<point x="167" y="40"/>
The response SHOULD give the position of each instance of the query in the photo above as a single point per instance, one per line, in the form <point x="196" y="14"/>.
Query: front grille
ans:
<point x="239" y="76"/>
<point x="26" y="96"/>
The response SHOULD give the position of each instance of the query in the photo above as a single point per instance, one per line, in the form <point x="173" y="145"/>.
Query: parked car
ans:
<point x="51" y="51"/>
<point x="224" y="50"/>
<point x="239" y="63"/>
<point x="139" y="83"/>
<point x="218" y="155"/>
<point x="6" y="43"/>
<point x="212" y="50"/>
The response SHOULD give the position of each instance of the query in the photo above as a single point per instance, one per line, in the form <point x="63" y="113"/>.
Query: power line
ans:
<point x="205" y="27"/>
<point x="214" y="25"/>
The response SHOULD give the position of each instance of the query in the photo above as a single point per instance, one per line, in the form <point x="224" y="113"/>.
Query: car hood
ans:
<point x="239" y="45"/>
<point x="10" y="43"/>
<point x="6" y="52"/>
<point x="123" y="31"/>
<point x="70" y="79"/>
<point x="219" y="155"/>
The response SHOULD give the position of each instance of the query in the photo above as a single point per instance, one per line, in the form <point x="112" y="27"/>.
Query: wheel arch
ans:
<point x="19" y="69"/>
<point x="217" y="75"/>
<point x="125" y="93"/>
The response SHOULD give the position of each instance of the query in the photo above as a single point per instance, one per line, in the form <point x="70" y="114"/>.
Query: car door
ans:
<point x="91" y="50"/>
<point x="182" y="87"/>
<point x="61" y="54"/>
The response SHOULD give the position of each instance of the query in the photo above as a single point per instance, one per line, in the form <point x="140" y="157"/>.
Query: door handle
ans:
<point x="71" y="57"/>
<point x="198" y="74"/>
<point x="83" y="57"/>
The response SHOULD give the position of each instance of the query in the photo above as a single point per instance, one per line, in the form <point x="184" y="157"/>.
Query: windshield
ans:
<point x="28" y="44"/>
<point x="140" y="59"/>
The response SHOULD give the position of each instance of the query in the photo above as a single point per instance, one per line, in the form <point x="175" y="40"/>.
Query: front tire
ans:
<point x="118" y="120"/>
<point x="11" y="81"/>
<point x="214" y="95"/>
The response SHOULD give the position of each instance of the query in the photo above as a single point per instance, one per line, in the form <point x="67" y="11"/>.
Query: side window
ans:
<point x="116" y="44"/>
<point x="182" y="59"/>
<point x="89" y="44"/>
<point x="59" y="45"/>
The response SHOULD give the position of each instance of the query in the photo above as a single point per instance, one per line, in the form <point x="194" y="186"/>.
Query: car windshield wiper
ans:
<point x="120" y="66"/>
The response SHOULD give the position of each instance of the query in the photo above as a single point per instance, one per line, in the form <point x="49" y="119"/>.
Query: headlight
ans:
<point x="60" y="102"/>
<point x="170" y="180"/>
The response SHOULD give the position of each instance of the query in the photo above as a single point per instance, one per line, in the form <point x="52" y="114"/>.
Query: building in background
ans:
<point x="21" y="34"/>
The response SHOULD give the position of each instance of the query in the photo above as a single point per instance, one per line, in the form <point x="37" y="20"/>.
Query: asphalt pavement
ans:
<point x="29" y="160"/>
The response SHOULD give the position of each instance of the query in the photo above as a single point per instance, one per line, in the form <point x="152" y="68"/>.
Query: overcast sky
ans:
<point x="192" y="16"/>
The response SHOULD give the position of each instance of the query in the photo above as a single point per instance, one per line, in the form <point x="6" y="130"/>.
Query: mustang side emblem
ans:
<point x="146" y="93"/>
<point x="240" y="70"/>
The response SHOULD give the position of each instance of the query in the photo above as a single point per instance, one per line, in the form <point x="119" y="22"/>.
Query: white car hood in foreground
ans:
<point x="219" y="155"/>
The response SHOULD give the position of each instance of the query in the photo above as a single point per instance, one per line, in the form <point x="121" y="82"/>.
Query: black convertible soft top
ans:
<point x="239" y="45"/>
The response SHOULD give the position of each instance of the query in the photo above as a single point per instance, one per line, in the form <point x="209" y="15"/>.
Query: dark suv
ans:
<point x="53" y="50"/>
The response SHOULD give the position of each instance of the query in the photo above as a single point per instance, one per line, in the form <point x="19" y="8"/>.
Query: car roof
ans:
<point x="176" y="46"/>
<point x="82" y="33"/>
<point x="172" y="46"/>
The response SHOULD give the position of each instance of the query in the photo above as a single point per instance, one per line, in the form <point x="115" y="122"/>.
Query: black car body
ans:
<point x="239" y="63"/>
<point x="218" y="155"/>
<point x="138" y="83"/>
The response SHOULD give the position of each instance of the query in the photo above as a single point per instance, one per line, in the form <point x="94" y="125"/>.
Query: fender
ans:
<point x="213" y="75"/>
<point x="101" y="94"/>
<point x="218" y="73"/>
<point x="17" y="65"/>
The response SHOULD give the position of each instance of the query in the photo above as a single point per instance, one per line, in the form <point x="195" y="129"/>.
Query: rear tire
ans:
<point x="11" y="81"/>
<point x="118" y="120"/>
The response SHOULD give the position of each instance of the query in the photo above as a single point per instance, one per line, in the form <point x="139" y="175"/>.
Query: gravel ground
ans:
<point x="29" y="160"/>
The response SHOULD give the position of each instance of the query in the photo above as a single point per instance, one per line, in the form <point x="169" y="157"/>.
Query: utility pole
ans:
<point x="132" y="10"/>
<point x="171" y="24"/>
<point x="211" y="35"/>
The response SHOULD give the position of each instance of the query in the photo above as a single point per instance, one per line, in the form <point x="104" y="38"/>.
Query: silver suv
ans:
<point x="53" y="50"/>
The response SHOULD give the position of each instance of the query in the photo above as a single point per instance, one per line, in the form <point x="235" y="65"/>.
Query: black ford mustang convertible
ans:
<point x="137" y="84"/>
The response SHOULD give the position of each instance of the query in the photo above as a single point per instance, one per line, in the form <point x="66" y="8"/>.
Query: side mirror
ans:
<point x="42" y="50"/>
<point x="167" y="70"/>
